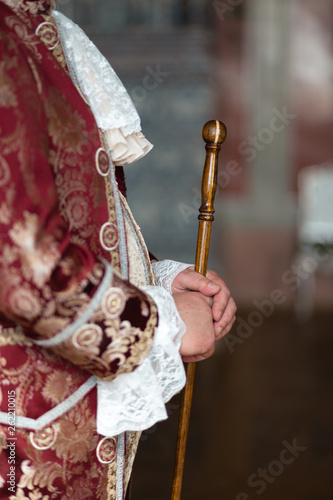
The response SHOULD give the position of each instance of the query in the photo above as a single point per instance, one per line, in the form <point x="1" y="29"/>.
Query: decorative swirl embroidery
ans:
<point x="88" y="337"/>
<point x="109" y="237"/>
<point x="48" y="34"/>
<point x="106" y="450"/>
<point x="102" y="162"/>
<point x="45" y="438"/>
<point x="113" y="303"/>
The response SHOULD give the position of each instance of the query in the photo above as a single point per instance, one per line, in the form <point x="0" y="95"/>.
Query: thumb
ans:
<point x="199" y="283"/>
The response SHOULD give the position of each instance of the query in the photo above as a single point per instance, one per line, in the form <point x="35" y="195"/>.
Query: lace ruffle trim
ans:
<point x="126" y="150"/>
<point x="111" y="105"/>
<point x="135" y="401"/>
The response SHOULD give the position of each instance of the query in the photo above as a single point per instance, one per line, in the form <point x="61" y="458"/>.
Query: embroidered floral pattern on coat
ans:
<point x="56" y="229"/>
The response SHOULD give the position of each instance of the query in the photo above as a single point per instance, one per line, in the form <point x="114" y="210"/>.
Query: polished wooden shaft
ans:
<point x="214" y="134"/>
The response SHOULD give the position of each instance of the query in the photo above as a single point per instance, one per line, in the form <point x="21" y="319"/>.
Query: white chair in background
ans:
<point x="314" y="233"/>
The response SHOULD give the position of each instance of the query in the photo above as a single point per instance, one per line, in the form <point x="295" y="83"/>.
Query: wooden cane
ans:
<point x="214" y="133"/>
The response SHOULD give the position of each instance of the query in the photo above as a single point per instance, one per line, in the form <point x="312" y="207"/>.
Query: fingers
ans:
<point x="191" y="280"/>
<point x="220" y="304"/>
<point x="224" y="307"/>
<point x="228" y="317"/>
<point x="215" y="293"/>
<point x="222" y="332"/>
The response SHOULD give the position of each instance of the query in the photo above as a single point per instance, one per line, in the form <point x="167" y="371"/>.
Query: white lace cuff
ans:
<point x="166" y="271"/>
<point x="111" y="105"/>
<point x="135" y="401"/>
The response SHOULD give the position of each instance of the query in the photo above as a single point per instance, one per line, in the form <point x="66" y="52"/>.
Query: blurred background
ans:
<point x="262" y="412"/>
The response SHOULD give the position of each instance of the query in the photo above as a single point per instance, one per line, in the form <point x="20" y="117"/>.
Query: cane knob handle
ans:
<point x="214" y="132"/>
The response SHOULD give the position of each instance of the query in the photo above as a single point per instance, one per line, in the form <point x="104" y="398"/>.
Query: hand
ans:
<point x="198" y="342"/>
<point x="216" y="293"/>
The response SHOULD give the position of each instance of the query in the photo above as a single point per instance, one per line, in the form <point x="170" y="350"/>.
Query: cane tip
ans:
<point x="214" y="132"/>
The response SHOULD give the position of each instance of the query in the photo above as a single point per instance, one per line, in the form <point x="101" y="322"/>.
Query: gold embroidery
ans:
<point x="14" y="336"/>
<point x="111" y="489"/>
<point x="45" y="438"/>
<point x="48" y="34"/>
<point x="109" y="237"/>
<point x="76" y="437"/>
<point x="102" y="162"/>
<point x="113" y="303"/>
<point x="57" y="386"/>
<point x="106" y="450"/>
<point x="88" y="337"/>
<point x="40" y="376"/>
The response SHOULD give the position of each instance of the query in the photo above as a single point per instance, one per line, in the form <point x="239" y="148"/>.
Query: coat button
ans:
<point x="48" y="34"/>
<point x="102" y="162"/>
<point x="109" y="237"/>
<point x="44" y="438"/>
<point x="106" y="450"/>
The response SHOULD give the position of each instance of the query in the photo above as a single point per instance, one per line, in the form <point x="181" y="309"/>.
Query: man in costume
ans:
<point x="93" y="335"/>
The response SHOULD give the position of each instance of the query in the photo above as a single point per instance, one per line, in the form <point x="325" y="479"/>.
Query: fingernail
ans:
<point x="219" y="330"/>
<point x="213" y="286"/>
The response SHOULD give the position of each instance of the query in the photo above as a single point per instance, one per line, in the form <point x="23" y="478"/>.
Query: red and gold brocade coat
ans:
<point x="67" y="312"/>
